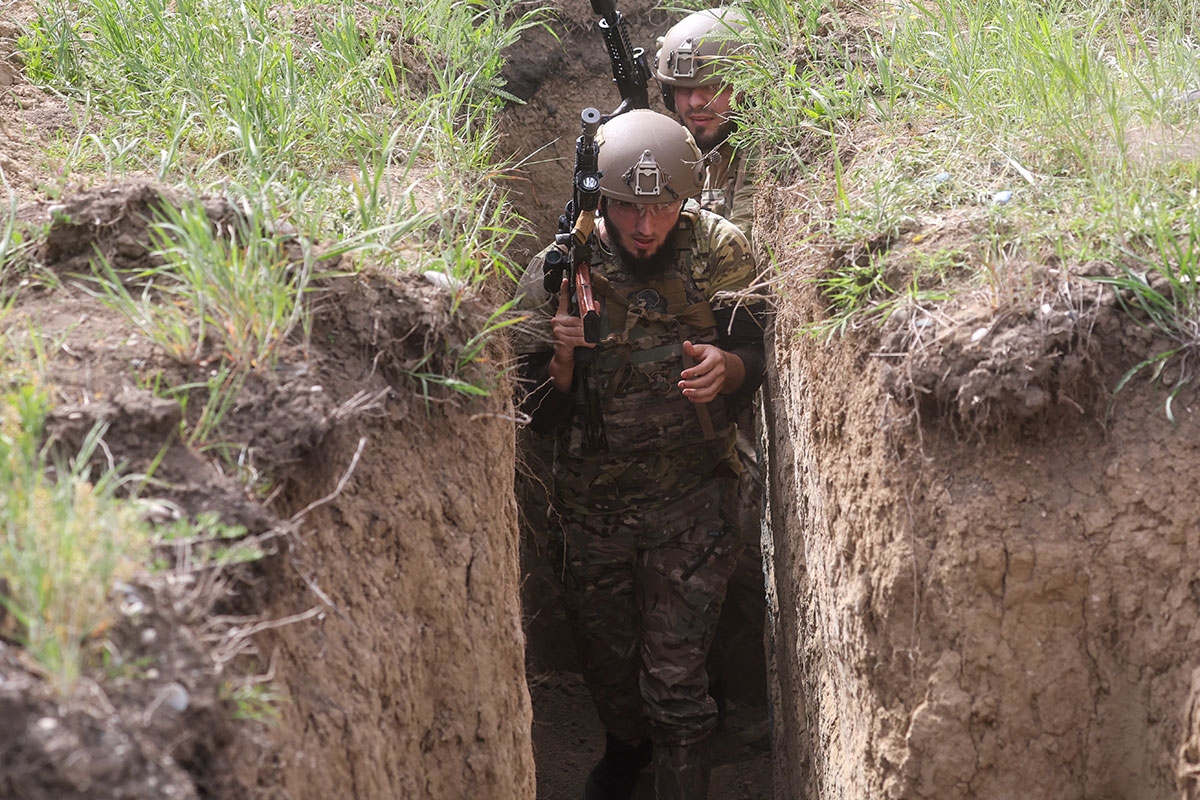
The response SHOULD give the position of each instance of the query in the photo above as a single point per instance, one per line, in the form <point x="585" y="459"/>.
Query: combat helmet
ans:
<point x="647" y="157"/>
<point x="689" y="53"/>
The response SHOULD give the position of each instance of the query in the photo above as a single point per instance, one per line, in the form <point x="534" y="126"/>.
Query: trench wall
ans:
<point x="1013" y="615"/>
<point x="411" y="681"/>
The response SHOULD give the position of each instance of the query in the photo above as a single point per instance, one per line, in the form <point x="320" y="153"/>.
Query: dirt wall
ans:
<point x="412" y="681"/>
<point x="992" y="611"/>
<point x="382" y="600"/>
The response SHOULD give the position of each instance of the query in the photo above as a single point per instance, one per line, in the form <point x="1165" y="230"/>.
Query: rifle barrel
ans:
<point x="604" y="8"/>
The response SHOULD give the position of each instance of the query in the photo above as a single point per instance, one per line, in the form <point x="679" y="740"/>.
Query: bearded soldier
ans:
<point x="688" y="66"/>
<point x="644" y="465"/>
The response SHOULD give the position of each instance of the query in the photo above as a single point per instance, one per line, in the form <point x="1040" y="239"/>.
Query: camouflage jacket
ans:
<point x="729" y="188"/>
<point x="631" y="439"/>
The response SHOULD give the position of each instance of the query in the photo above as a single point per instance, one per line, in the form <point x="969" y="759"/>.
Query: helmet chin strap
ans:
<point x="668" y="96"/>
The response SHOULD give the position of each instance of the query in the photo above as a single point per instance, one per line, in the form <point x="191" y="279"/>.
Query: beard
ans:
<point x="642" y="268"/>
<point x="716" y="138"/>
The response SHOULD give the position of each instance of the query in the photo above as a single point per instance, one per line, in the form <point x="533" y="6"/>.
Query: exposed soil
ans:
<point x="385" y="578"/>
<point x="981" y="584"/>
<point x="983" y="578"/>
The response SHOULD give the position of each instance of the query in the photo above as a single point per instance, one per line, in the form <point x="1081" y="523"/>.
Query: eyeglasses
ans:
<point x="656" y="210"/>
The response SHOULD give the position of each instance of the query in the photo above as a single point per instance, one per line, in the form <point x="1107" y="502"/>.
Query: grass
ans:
<point x="373" y="127"/>
<point x="16" y="247"/>
<point x="1052" y="131"/>
<point x="1161" y="290"/>
<point x="212" y="90"/>
<point x="65" y="538"/>
<point x="370" y="128"/>
<point x="375" y="124"/>
<point x="228" y="295"/>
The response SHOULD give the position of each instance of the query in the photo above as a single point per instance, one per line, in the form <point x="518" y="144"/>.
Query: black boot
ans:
<point x="615" y="775"/>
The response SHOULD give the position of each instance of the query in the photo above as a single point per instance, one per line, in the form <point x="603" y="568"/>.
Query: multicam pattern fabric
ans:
<point x="667" y="569"/>
<point x="634" y="439"/>
<point x="729" y="188"/>
<point x="642" y="501"/>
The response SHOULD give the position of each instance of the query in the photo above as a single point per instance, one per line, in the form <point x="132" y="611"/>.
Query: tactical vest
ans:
<point x="633" y="435"/>
<point x="723" y="183"/>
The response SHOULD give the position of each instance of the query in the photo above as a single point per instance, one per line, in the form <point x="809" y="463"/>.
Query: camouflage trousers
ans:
<point x="643" y="592"/>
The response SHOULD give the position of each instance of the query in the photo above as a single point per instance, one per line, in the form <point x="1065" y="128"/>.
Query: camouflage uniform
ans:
<point x="642" y="482"/>
<point x="729" y="188"/>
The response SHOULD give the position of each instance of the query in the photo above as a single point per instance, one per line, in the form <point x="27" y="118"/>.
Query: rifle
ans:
<point x="574" y="234"/>
<point x="631" y="73"/>
<point x="632" y="76"/>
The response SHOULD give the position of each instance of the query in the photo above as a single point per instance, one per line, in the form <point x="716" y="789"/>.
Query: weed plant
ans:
<point x="64" y="538"/>
<point x="1049" y="129"/>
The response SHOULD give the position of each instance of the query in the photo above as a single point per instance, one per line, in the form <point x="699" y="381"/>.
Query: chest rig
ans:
<point x="723" y="182"/>
<point x="630" y="399"/>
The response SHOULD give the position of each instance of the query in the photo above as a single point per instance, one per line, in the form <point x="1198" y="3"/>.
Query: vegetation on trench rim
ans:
<point x="65" y="539"/>
<point x="70" y="532"/>
<point x="369" y="127"/>
<point x="374" y="127"/>
<point x="375" y="130"/>
<point x="1062" y="134"/>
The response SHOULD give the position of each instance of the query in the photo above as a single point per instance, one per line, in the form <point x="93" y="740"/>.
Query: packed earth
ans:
<point x="978" y="565"/>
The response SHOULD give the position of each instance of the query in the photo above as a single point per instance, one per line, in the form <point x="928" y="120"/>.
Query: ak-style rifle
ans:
<point x="632" y="76"/>
<point x="574" y="234"/>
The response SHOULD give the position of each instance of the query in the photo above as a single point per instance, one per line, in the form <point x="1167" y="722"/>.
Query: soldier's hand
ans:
<point x="568" y="334"/>
<point x="714" y="372"/>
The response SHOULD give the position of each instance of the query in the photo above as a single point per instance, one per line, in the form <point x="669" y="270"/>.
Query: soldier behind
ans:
<point x="687" y="67"/>
<point x="644" y="465"/>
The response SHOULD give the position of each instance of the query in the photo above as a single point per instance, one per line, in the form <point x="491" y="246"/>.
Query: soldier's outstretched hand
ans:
<point x="705" y="379"/>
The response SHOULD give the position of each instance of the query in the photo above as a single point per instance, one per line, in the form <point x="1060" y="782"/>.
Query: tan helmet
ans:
<point x="689" y="53"/>
<point x="647" y="157"/>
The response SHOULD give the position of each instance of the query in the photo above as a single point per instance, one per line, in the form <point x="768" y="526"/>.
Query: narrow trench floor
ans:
<point x="568" y="740"/>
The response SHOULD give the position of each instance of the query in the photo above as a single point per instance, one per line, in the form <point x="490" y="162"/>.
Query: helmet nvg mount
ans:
<point x="690" y="52"/>
<point x="647" y="157"/>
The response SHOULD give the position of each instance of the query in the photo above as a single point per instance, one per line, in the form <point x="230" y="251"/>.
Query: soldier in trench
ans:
<point x="644" y="470"/>
<point x="688" y="66"/>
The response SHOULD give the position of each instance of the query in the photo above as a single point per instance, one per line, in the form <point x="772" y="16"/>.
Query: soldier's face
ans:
<point x="704" y="110"/>
<point x="639" y="230"/>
